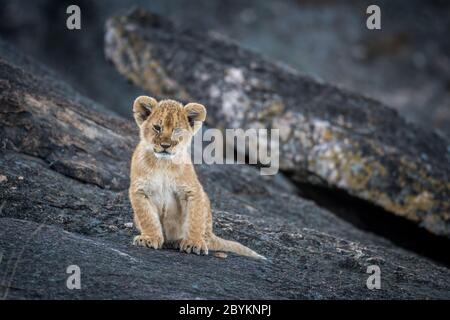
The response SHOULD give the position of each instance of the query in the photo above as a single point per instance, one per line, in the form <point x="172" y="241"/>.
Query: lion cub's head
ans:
<point x="167" y="127"/>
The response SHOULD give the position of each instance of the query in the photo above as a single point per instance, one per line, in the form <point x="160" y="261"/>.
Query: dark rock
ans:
<point x="63" y="181"/>
<point x="329" y="137"/>
<point x="43" y="117"/>
<point x="115" y="270"/>
<point x="405" y="64"/>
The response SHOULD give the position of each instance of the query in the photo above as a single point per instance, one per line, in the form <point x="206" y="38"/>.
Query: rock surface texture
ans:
<point x="63" y="201"/>
<point x="328" y="137"/>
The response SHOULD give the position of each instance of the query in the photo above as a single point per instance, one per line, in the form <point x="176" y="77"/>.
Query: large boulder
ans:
<point x="63" y="190"/>
<point x="329" y="137"/>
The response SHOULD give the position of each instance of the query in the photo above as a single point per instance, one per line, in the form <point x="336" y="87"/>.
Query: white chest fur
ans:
<point x="161" y="189"/>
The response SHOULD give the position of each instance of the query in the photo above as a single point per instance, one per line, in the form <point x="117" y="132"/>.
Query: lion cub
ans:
<point x="170" y="206"/>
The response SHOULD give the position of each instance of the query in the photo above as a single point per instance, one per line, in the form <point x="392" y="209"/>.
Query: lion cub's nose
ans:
<point x="165" y="145"/>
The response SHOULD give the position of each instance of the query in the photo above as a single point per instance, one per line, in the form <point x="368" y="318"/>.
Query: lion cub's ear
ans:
<point x="196" y="114"/>
<point x="142" y="108"/>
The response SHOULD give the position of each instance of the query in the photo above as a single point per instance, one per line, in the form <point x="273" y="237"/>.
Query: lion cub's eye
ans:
<point x="157" y="128"/>
<point x="177" y="133"/>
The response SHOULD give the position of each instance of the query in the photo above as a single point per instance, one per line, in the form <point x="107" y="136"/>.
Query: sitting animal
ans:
<point x="169" y="203"/>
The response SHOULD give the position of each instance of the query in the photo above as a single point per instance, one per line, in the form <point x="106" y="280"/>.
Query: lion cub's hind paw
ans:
<point x="143" y="240"/>
<point x="197" y="247"/>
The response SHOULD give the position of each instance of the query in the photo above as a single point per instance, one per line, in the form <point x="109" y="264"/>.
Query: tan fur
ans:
<point x="169" y="203"/>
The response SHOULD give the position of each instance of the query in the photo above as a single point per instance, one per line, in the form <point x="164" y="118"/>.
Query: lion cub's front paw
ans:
<point x="195" y="246"/>
<point x="145" y="240"/>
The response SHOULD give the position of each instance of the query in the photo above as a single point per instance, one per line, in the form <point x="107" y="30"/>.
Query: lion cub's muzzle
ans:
<point x="164" y="150"/>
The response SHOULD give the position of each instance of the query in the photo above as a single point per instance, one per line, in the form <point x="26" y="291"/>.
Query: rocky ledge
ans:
<point x="329" y="137"/>
<point x="63" y="188"/>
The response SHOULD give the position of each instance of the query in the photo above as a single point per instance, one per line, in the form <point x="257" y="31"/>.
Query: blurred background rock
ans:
<point x="406" y="65"/>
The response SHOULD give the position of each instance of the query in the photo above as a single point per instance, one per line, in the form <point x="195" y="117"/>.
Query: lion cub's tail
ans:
<point x="219" y="244"/>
